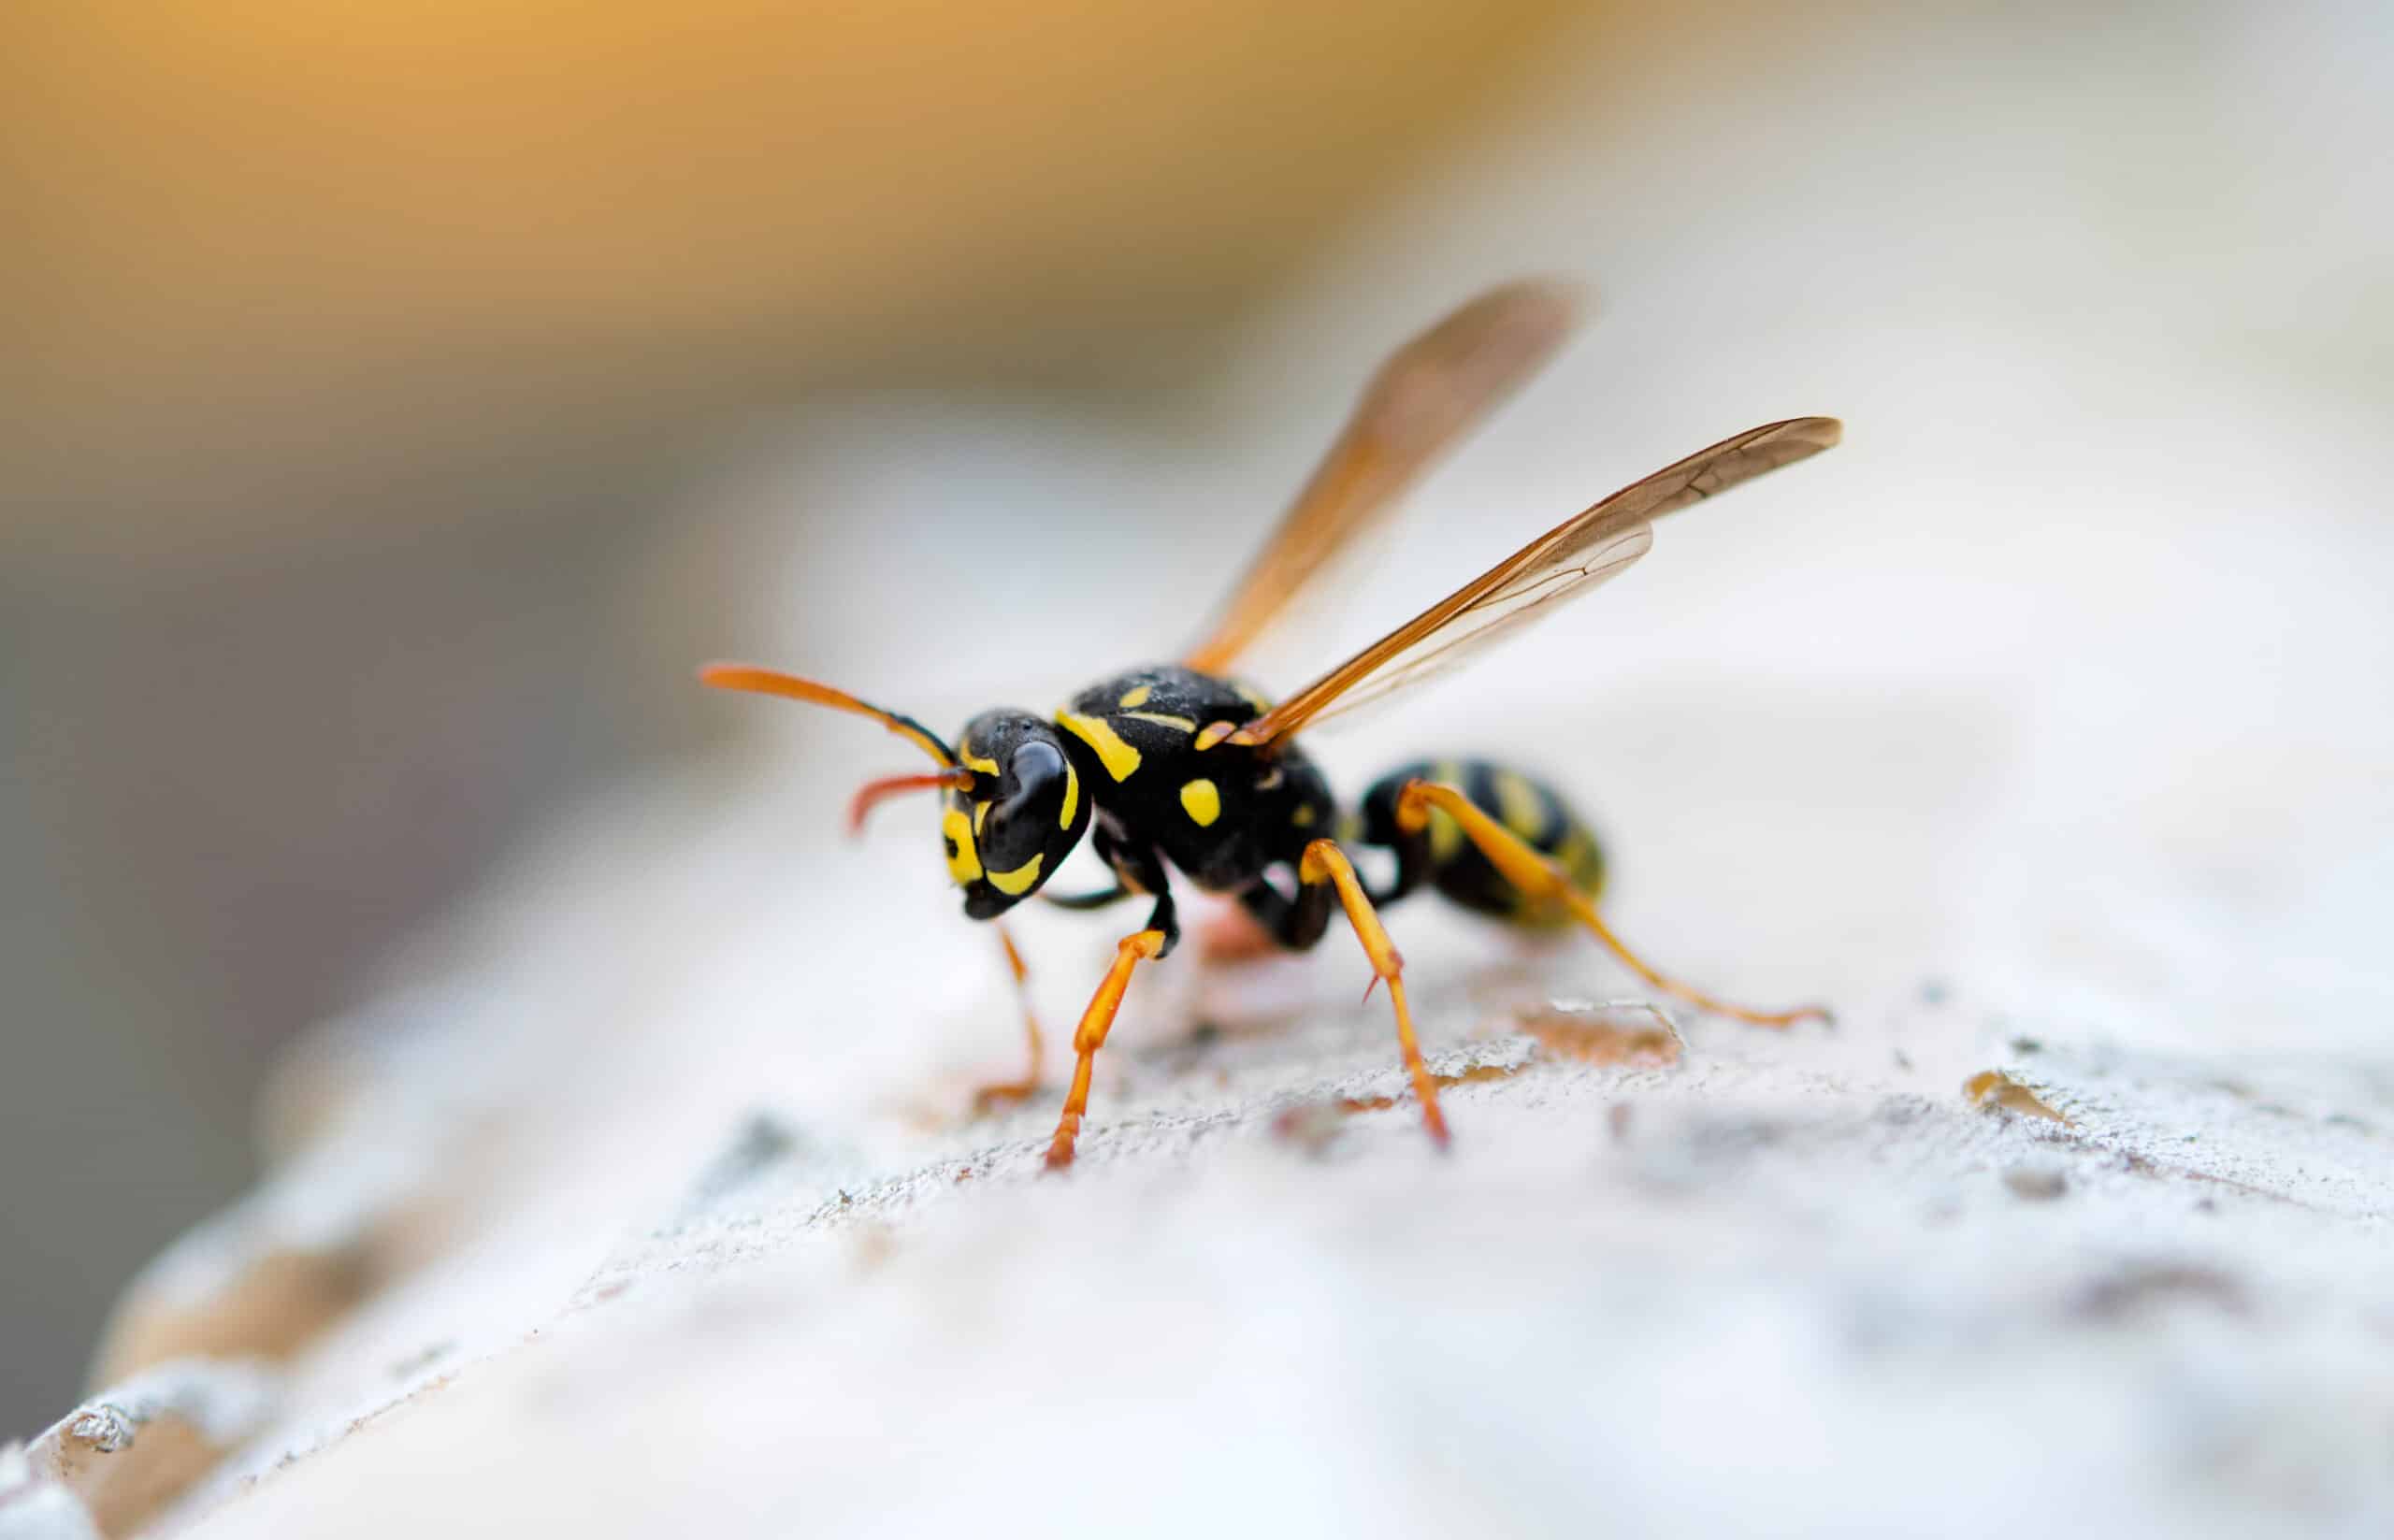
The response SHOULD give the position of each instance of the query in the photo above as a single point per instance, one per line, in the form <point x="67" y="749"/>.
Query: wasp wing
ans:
<point x="1427" y="394"/>
<point x="1559" y="564"/>
<point x="1451" y="632"/>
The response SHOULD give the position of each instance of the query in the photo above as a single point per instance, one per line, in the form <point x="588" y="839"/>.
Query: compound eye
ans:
<point x="1036" y="767"/>
<point x="1033" y="782"/>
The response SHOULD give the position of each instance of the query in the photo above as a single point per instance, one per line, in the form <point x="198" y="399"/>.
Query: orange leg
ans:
<point x="1325" y="862"/>
<point x="1015" y="1090"/>
<point x="1540" y="878"/>
<point x="1090" y="1036"/>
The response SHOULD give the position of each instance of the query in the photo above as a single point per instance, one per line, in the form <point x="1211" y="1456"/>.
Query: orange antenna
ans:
<point x="743" y="676"/>
<point x="872" y="793"/>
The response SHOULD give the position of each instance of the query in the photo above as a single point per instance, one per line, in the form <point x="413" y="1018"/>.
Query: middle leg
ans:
<point x="1325" y="862"/>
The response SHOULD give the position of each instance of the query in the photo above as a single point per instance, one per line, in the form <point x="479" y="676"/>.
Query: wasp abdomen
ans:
<point x="1442" y="857"/>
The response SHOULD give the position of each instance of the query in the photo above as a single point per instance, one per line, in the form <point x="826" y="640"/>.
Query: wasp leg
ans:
<point x="1007" y="1091"/>
<point x="1138" y="869"/>
<point x="1540" y="878"/>
<point x="1271" y="920"/>
<point x="1096" y="1022"/>
<point x="1295" y="923"/>
<point x="1325" y="862"/>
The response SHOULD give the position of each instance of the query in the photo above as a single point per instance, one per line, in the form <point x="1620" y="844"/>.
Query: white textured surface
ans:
<point x="32" y="1508"/>
<point x="722" y="1255"/>
<point x="1801" y="1283"/>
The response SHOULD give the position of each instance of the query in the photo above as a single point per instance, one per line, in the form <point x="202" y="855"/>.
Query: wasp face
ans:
<point x="1025" y="809"/>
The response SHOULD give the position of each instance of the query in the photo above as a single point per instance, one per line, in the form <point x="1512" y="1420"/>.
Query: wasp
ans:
<point x="1179" y="768"/>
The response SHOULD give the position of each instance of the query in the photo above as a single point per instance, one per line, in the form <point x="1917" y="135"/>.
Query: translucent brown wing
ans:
<point x="1428" y="392"/>
<point x="1565" y="562"/>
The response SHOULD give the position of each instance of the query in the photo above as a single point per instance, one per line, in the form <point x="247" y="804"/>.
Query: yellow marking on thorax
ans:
<point x="965" y="864"/>
<point x="1015" y="884"/>
<point x="1202" y="800"/>
<point x="1136" y="697"/>
<point x="1120" y="758"/>
<point x="1520" y="807"/>
<point x="1072" y="795"/>
<point x="1166" y="719"/>
<point x="1303" y="817"/>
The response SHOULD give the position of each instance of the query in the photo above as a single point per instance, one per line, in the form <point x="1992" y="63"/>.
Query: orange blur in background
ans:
<point x="355" y="351"/>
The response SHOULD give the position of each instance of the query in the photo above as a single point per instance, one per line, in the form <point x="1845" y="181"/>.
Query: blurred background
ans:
<point x="400" y="401"/>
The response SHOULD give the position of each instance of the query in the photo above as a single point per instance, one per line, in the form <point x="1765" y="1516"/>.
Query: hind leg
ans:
<point x="1540" y="878"/>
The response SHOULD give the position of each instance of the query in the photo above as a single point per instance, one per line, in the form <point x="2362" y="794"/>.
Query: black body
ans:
<point x="1234" y="819"/>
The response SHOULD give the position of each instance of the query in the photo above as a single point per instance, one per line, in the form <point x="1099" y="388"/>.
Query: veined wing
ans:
<point x="1566" y="561"/>
<point x="1427" y="394"/>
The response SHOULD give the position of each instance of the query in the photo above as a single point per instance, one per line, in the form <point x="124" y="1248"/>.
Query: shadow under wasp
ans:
<point x="1178" y="766"/>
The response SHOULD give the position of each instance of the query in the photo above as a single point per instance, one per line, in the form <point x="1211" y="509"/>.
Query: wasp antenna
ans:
<point x="873" y="793"/>
<point x="746" y="676"/>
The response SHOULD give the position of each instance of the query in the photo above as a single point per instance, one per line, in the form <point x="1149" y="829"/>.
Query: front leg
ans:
<point x="1141" y="871"/>
<point x="1138" y="872"/>
<point x="1007" y="1091"/>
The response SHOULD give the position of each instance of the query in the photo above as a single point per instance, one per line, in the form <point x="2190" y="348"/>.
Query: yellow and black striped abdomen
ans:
<point x="1454" y="866"/>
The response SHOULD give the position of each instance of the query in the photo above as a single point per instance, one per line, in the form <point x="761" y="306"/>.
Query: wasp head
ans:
<point x="1010" y="829"/>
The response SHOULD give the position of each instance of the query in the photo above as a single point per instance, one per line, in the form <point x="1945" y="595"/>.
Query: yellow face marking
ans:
<point x="1072" y="796"/>
<point x="1120" y="758"/>
<point x="1446" y="835"/>
<point x="963" y="861"/>
<point x="1164" y="719"/>
<point x="1303" y="817"/>
<point x="1215" y="732"/>
<point x="1518" y="804"/>
<point x="1136" y="698"/>
<point x="980" y="817"/>
<point x="1015" y="884"/>
<point x="1201" y="801"/>
<point x="980" y="765"/>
